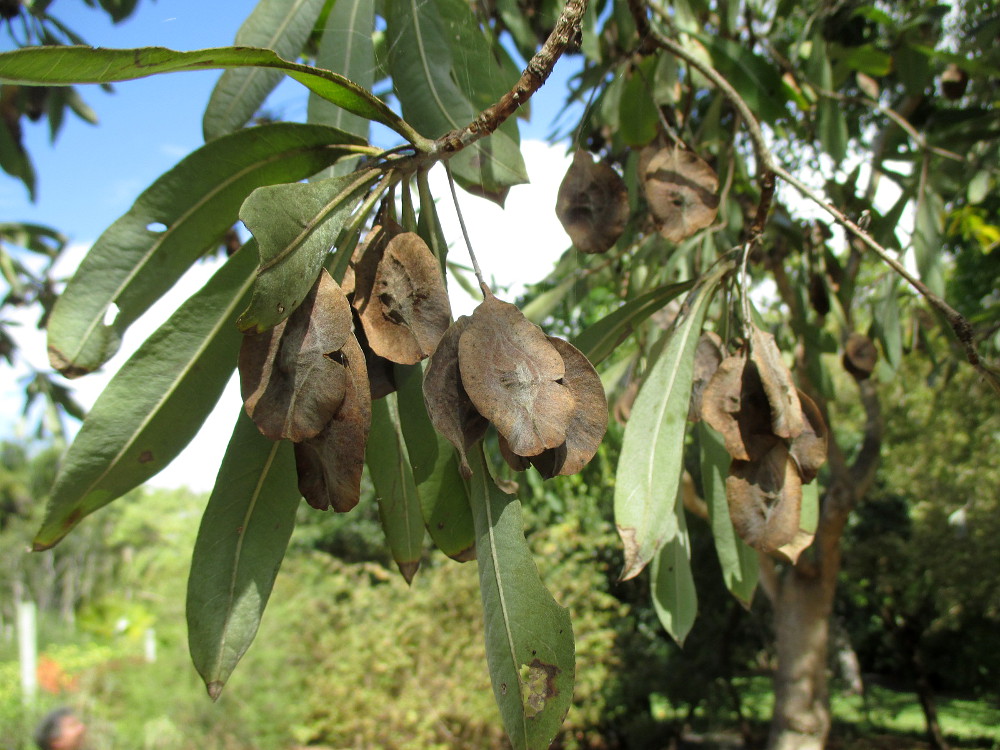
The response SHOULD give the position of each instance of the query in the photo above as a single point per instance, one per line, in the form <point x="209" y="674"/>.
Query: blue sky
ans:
<point x="92" y="174"/>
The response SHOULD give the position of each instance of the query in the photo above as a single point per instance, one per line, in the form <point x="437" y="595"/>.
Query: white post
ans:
<point x="27" y="643"/>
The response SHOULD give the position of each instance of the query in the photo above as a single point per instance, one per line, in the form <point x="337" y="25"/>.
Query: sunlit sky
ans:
<point x="91" y="175"/>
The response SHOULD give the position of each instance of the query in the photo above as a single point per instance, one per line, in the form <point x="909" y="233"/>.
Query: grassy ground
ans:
<point x="883" y="719"/>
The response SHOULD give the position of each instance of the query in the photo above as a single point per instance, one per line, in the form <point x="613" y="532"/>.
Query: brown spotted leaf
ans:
<point x="734" y="404"/>
<point x="707" y="358"/>
<point x="808" y="450"/>
<point x="782" y="395"/>
<point x="329" y="465"/>
<point x="681" y="189"/>
<point x="765" y="499"/>
<point x="292" y="378"/>
<point x="513" y="375"/>
<point x="860" y="356"/>
<point x="592" y="204"/>
<point x="405" y="310"/>
<point x="448" y="405"/>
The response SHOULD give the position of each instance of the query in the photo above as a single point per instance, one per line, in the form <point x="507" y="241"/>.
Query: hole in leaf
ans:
<point x="111" y="314"/>
<point x="156" y="226"/>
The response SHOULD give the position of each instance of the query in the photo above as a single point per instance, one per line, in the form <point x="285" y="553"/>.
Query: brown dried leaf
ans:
<point x="330" y="465"/>
<point x="707" y="358"/>
<point x="734" y="404"/>
<point x="381" y="377"/>
<point x="513" y="376"/>
<point x="860" y="356"/>
<point x="681" y="189"/>
<point x="765" y="499"/>
<point x="808" y="450"/>
<point x="292" y="378"/>
<point x="782" y="395"/>
<point x="448" y="405"/>
<point x="592" y="204"/>
<point x="793" y="550"/>
<point x="405" y="310"/>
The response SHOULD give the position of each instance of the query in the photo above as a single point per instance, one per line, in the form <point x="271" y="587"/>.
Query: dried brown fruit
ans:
<point x="735" y="404"/>
<point x="860" y="356"/>
<point x="808" y="450"/>
<point x="292" y="377"/>
<point x="819" y="297"/>
<point x="400" y="296"/>
<point x="329" y="465"/>
<point x="765" y="499"/>
<point x="587" y="425"/>
<point x="681" y="189"/>
<point x="513" y="376"/>
<point x="707" y="358"/>
<point x="954" y="82"/>
<point x="782" y="395"/>
<point x="448" y="405"/>
<point x="592" y="204"/>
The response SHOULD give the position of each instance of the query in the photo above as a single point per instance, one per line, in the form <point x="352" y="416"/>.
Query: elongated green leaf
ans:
<point x="55" y="66"/>
<point x="295" y="225"/>
<point x="395" y="490"/>
<point x="241" y="542"/>
<point x="753" y="77"/>
<point x="672" y="584"/>
<point x="346" y="47"/>
<point x="279" y="25"/>
<point x="444" y="496"/>
<point x="172" y="224"/>
<point x="538" y="309"/>
<point x="424" y="75"/>
<point x="737" y="559"/>
<point x="599" y="340"/>
<point x="155" y="404"/>
<point x="649" y="469"/>
<point x="927" y="240"/>
<point x="529" y="637"/>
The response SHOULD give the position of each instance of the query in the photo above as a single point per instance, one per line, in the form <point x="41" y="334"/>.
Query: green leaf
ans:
<point x="888" y="327"/>
<point x="395" y="489"/>
<point x="638" y="119"/>
<point x="14" y="159"/>
<point x="296" y="225"/>
<point x="346" y="47"/>
<point x="241" y="541"/>
<point x="754" y="78"/>
<point x="672" y="584"/>
<point x="444" y="495"/>
<point x="736" y="558"/>
<point x="279" y="25"/>
<point x="833" y="134"/>
<point x="529" y="637"/>
<point x="929" y="226"/>
<point x="57" y="66"/>
<point x="540" y="306"/>
<point x="155" y="404"/>
<point x="601" y="339"/>
<point x="173" y="223"/>
<point x="424" y="72"/>
<point x="649" y="470"/>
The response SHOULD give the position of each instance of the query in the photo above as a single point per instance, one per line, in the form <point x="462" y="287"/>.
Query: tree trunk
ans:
<point x="801" y="719"/>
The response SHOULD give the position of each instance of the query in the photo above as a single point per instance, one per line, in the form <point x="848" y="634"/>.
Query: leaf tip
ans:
<point x="214" y="689"/>
<point x="633" y="560"/>
<point x="408" y="570"/>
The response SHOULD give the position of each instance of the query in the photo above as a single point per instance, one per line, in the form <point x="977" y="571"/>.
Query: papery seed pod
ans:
<point x="592" y="204"/>
<point x="681" y="189"/>
<point x="860" y="356"/>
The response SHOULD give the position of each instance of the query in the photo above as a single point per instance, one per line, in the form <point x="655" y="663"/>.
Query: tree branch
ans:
<point x="534" y="75"/>
<point x="768" y="169"/>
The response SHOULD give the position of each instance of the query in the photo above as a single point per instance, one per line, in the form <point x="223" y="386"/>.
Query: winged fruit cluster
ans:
<point x="311" y="379"/>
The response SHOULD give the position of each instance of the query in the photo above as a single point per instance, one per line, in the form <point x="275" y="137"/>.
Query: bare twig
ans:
<point x="534" y="75"/>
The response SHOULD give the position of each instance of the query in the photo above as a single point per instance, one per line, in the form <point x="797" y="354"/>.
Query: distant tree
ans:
<point x="696" y="112"/>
